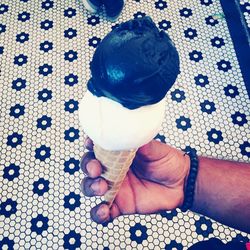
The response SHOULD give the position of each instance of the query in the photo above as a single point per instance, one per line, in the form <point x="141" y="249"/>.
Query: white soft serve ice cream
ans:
<point x="114" y="127"/>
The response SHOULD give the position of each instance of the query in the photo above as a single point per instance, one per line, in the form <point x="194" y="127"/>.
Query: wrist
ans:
<point x="187" y="174"/>
<point x="186" y="167"/>
<point x="189" y="187"/>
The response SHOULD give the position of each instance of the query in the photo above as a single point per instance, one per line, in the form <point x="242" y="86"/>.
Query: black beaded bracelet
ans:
<point x="190" y="185"/>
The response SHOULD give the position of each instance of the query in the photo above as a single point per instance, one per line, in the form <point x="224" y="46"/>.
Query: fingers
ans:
<point x="93" y="184"/>
<point x="100" y="213"/>
<point x="89" y="144"/>
<point x="86" y="158"/>
<point x="90" y="165"/>
<point x="94" y="187"/>
<point x="103" y="214"/>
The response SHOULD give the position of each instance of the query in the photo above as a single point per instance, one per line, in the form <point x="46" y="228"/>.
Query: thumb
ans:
<point x="153" y="151"/>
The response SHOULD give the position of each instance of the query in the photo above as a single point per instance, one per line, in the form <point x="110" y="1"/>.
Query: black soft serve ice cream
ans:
<point x="135" y="64"/>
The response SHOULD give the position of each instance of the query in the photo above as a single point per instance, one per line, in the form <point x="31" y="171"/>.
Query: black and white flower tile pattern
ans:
<point x="45" y="50"/>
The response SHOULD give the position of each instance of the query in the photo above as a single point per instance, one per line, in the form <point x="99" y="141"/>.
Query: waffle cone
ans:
<point x="116" y="164"/>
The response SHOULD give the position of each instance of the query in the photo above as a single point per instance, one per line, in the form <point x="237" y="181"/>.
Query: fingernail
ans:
<point x="88" y="167"/>
<point x="101" y="212"/>
<point x="95" y="186"/>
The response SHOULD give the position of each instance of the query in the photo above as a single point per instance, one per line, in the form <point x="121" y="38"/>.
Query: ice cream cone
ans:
<point x="132" y="69"/>
<point x="116" y="164"/>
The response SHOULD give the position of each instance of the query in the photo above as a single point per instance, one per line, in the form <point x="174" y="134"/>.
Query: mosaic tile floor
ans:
<point x="45" y="50"/>
<point x="245" y="10"/>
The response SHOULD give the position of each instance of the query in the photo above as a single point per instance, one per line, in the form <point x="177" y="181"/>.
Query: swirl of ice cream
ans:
<point x="135" y="64"/>
<point x="114" y="127"/>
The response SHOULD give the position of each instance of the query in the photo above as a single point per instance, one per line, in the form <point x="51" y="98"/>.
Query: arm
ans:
<point x="223" y="192"/>
<point x="159" y="173"/>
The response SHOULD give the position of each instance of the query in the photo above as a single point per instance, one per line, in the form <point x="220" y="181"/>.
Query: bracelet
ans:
<point x="190" y="185"/>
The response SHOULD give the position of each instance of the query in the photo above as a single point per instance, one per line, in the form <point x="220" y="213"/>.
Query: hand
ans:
<point x="155" y="182"/>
